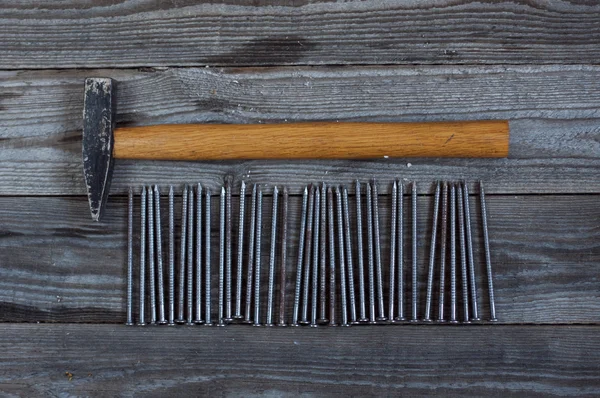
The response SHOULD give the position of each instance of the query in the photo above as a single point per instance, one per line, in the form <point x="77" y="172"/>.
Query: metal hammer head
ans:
<point x="99" y="114"/>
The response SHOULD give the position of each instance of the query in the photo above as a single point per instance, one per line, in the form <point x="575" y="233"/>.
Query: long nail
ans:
<point x="443" y="240"/>
<point x="198" y="317"/>
<point x="341" y="256"/>
<point x="377" y="241"/>
<point x="283" y="260"/>
<point x="228" y="248"/>
<point x="257" y="258"/>
<point x="159" y="259"/>
<point x="240" y="253"/>
<point x="221" y="308"/>
<point x="208" y="276"/>
<point x="472" y="281"/>
<point x="332" y="284"/>
<point x="307" y="255"/>
<point x="348" y="242"/>
<point x="360" y="254"/>
<point x="371" y="261"/>
<point x="250" y="275"/>
<point x="171" y="256"/>
<point x="300" y="261"/>
<point x="323" y="258"/>
<point x="190" y="258"/>
<point x="453" y="254"/>
<point x="183" y="241"/>
<point x="432" y="246"/>
<point x="142" y="315"/>
<point x="151" y="263"/>
<point x="393" y="227"/>
<point x="271" y="282"/>
<point x="129" y="320"/>
<point x="463" y="253"/>
<point x="400" y="259"/>
<point x="415" y="284"/>
<point x="315" y="260"/>
<point x="488" y="260"/>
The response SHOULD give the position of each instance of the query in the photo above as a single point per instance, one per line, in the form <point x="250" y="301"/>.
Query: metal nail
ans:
<point x="228" y="248"/>
<point x="182" y="251"/>
<point x="142" y="314"/>
<point x="207" y="265"/>
<point x="307" y="255"/>
<point x="393" y="228"/>
<point x="488" y="260"/>
<point x="371" y="261"/>
<point x="271" y="282"/>
<point x="283" y="260"/>
<point x="315" y="260"/>
<point x="250" y="275"/>
<point x="341" y="256"/>
<point x="159" y="258"/>
<point x="190" y="258"/>
<point x="151" y="263"/>
<point x="443" y="241"/>
<point x="171" y="256"/>
<point x="129" y="320"/>
<point x="221" y="308"/>
<point x="300" y="261"/>
<point x="453" y="254"/>
<point x="472" y="281"/>
<point x="360" y="254"/>
<point x="463" y="253"/>
<point x="415" y="284"/>
<point x="332" y="285"/>
<point x="323" y="258"/>
<point x="240" y="253"/>
<point x="400" y="247"/>
<point x="348" y="242"/>
<point x="378" y="261"/>
<point x="432" y="247"/>
<point x="257" y="258"/>
<point x="198" y="317"/>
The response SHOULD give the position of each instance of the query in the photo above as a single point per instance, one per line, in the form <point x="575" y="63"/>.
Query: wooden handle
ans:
<point x="328" y="140"/>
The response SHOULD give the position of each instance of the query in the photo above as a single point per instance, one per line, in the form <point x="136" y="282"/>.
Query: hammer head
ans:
<point x="99" y="114"/>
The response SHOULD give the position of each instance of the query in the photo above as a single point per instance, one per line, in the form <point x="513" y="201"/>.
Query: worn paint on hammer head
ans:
<point x="99" y="114"/>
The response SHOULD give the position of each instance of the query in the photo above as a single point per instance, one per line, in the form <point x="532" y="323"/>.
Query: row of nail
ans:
<point x="331" y="260"/>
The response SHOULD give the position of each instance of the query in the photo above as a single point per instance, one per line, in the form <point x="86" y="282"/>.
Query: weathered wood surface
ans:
<point x="553" y="111"/>
<point x="81" y="360"/>
<point x="59" y="266"/>
<point x="72" y="34"/>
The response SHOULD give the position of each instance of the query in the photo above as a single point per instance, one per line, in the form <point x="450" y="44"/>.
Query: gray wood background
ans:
<point x="62" y="282"/>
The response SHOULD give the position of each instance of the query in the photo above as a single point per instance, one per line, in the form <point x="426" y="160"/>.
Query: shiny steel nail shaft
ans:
<point x="271" y="280"/>
<point x="129" y="320"/>
<point x="392" y="276"/>
<point x="348" y="242"/>
<point x="240" y="253"/>
<point x="432" y="247"/>
<point x="171" y="271"/>
<point x="488" y="260"/>
<point x="415" y="284"/>
<point x="378" y="261"/>
<point x="151" y="263"/>
<point x="221" y="308"/>
<point x="332" y="284"/>
<point x="159" y="258"/>
<point x="340" y="229"/>
<point x="315" y="260"/>
<point x="360" y="254"/>
<point x="307" y="255"/>
<point x="198" y="317"/>
<point x="453" y="254"/>
<point x="470" y="258"/>
<point x="300" y="261"/>
<point x="371" y="261"/>
<point x="182" y="251"/>
<point x="463" y="252"/>
<point x="257" y="257"/>
<point x="208" y="276"/>
<point x="228" y="248"/>
<point x="142" y="314"/>
<point x="283" y="259"/>
<point x="400" y="246"/>
<point x="190" y="258"/>
<point x="323" y="257"/>
<point x="443" y="240"/>
<point x="250" y="275"/>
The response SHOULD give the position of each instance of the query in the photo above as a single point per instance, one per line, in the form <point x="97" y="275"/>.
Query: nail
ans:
<point x="375" y="198"/>
<point x="340" y="228"/>
<point x="159" y="258"/>
<point x="257" y="258"/>
<point x="323" y="257"/>
<point x="443" y="240"/>
<point x="198" y="318"/>
<point x="488" y="260"/>
<point x="129" y="320"/>
<point x="240" y="253"/>
<point x="415" y="286"/>
<point x="307" y="255"/>
<point x="220" y="318"/>
<point x="332" y="287"/>
<point x="208" y="276"/>
<point x="371" y="262"/>
<point x="463" y="253"/>
<point x="228" y="248"/>
<point x="432" y="246"/>
<point x="360" y="254"/>
<point x="151" y="264"/>
<point x="250" y="276"/>
<point x="472" y="282"/>
<point x="315" y="261"/>
<point x="453" y="254"/>
<point x="190" y="258"/>
<point x="271" y="283"/>
<point x="182" y="243"/>
<point x="283" y="261"/>
<point x="300" y="258"/>
<point x="348" y="241"/>
<point x="142" y="315"/>
<point x="393" y="227"/>
<point x="171" y="256"/>
<point x="400" y="246"/>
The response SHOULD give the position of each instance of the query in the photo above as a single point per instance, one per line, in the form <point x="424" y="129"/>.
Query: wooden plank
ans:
<point x="59" y="266"/>
<point x="554" y="138"/>
<point x="138" y="33"/>
<point x="42" y="360"/>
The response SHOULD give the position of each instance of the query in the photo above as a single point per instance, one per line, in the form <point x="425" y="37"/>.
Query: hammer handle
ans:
<point x="321" y="140"/>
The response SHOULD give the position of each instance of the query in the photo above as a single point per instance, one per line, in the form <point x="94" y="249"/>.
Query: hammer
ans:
<point x="102" y="142"/>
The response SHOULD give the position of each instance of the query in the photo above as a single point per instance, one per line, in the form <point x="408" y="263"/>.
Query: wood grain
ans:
<point x="427" y="361"/>
<point x="554" y="142"/>
<point x="136" y="33"/>
<point x="59" y="266"/>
